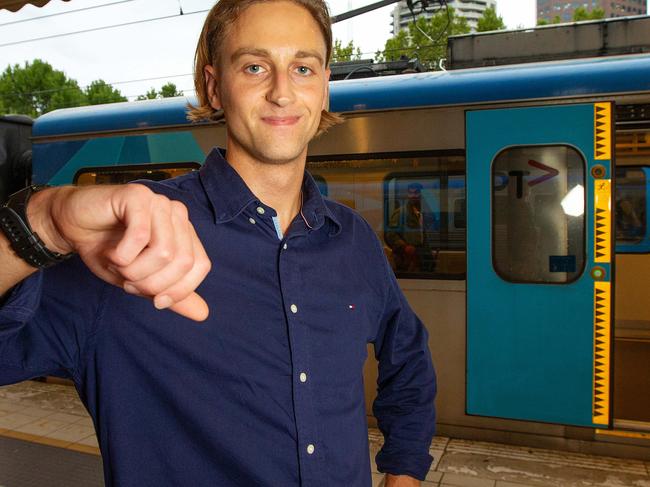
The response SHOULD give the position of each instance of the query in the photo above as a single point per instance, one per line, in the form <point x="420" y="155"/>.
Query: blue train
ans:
<point x="512" y="204"/>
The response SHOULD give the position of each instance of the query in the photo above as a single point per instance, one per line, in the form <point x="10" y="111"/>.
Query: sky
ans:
<point x="137" y="57"/>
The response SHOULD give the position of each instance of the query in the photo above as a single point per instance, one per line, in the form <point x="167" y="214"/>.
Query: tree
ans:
<point x="169" y="91"/>
<point x="152" y="94"/>
<point x="425" y="39"/>
<point x="166" y="91"/>
<point x="37" y="88"/>
<point x="99" y="92"/>
<point x="555" y="20"/>
<point x="580" y="14"/>
<point x="490" y="21"/>
<point x="347" y="53"/>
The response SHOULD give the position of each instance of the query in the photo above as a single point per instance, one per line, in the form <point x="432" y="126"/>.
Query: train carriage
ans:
<point x="512" y="204"/>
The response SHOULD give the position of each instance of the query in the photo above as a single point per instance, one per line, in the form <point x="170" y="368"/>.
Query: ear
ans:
<point x="212" y="87"/>
<point x="326" y="99"/>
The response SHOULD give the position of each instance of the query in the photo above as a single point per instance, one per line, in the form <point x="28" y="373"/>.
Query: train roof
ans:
<point x="557" y="79"/>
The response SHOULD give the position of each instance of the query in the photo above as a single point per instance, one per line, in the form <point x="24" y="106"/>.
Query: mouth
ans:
<point x="281" y="121"/>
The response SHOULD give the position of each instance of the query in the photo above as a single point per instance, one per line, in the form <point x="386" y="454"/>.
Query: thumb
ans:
<point x="193" y="307"/>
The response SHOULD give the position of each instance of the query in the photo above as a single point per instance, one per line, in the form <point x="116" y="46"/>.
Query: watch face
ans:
<point x="27" y="244"/>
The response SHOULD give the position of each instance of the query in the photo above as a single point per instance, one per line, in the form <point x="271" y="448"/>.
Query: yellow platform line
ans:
<point x="43" y="440"/>
<point x="624" y="434"/>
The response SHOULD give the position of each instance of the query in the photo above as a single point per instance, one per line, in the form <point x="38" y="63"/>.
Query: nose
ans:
<point x="280" y="92"/>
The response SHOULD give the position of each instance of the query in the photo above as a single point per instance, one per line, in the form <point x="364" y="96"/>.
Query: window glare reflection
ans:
<point x="573" y="203"/>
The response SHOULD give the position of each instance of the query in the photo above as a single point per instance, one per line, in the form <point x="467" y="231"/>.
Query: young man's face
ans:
<point x="272" y="82"/>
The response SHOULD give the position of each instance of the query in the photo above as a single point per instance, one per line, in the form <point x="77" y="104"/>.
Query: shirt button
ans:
<point x="252" y="220"/>
<point x="260" y="210"/>
<point x="284" y="246"/>
<point x="310" y="449"/>
<point x="303" y="377"/>
<point x="294" y="308"/>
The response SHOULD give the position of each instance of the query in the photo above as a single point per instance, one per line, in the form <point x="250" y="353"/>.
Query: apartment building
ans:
<point x="549" y="9"/>
<point x="472" y="10"/>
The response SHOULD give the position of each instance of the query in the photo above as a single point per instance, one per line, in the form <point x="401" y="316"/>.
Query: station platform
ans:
<point x="47" y="439"/>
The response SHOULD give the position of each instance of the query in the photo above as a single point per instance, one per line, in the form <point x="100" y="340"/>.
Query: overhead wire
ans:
<point x="156" y="78"/>
<point x="67" y="12"/>
<point x="106" y="27"/>
<point x="424" y="4"/>
<point x="410" y="4"/>
<point x="184" y="92"/>
<point x="56" y="90"/>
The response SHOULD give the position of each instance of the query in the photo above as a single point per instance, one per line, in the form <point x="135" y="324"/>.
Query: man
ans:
<point x="268" y="390"/>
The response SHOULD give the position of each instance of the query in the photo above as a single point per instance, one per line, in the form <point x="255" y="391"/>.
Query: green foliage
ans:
<point x="37" y="88"/>
<point x="555" y="20"/>
<point x="412" y="43"/>
<point x="581" y="14"/>
<point x="490" y="21"/>
<point x="152" y="94"/>
<point x="342" y="53"/>
<point x="168" y="90"/>
<point x="99" y="92"/>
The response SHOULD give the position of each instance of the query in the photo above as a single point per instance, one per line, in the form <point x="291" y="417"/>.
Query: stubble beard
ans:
<point x="274" y="152"/>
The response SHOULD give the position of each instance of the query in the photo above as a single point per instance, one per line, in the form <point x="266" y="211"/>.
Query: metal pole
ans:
<point x="361" y="10"/>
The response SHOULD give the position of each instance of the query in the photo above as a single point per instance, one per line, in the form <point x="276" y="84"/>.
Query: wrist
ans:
<point x="401" y="481"/>
<point x="42" y="210"/>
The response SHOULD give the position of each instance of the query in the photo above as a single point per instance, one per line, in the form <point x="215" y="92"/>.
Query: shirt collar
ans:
<point x="314" y="210"/>
<point x="229" y="195"/>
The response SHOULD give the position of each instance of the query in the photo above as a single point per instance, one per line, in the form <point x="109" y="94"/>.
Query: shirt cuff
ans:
<point x="415" y="465"/>
<point x="21" y="304"/>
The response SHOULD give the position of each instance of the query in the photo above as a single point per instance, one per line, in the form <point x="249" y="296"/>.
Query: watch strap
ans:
<point x="23" y="240"/>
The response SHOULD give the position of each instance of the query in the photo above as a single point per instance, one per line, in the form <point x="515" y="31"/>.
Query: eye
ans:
<point x="254" y="69"/>
<point x="304" y="70"/>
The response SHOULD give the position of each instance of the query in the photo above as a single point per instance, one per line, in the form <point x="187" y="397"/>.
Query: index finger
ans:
<point x="135" y="238"/>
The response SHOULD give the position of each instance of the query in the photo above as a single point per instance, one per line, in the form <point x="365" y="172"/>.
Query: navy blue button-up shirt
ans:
<point x="269" y="390"/>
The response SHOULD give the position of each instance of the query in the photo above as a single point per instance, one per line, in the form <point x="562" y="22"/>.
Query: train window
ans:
<point x="416" y="205"/>
<point x="538" y="205"/>
<point x="321" y="183"/>
<point x="631" y="226"/>
<point x="125" y="174"/>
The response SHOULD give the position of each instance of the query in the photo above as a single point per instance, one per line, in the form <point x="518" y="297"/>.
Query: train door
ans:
<point x="539" y="263"/>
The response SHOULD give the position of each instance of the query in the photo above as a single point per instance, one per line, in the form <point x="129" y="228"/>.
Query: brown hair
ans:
<point x="216" y="26"/>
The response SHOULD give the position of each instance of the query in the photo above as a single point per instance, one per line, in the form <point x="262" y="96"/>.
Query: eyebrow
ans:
<point x="251" y="51"/>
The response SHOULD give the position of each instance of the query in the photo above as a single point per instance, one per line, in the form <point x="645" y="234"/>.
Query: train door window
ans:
<point x="127" y="173"/>
<point x="631" y="204"/>
<point x="412" y="221"/>
<point x="415" y="204"/>
<point x="538" y="205"/>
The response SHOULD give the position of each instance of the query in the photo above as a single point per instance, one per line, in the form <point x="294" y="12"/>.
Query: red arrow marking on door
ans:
<point x="551" y="172"/>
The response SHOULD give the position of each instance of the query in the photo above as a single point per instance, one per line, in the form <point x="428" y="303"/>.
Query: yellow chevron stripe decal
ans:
<point x="603" y="220"/>
<point x="602" y="131"/>
<point x="602" y="337"/>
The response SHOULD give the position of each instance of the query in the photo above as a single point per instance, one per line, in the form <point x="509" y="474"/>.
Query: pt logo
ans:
<point x="549" y="173"/>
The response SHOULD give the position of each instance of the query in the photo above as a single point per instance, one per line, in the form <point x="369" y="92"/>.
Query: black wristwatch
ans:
<point x="24" y="241"/>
